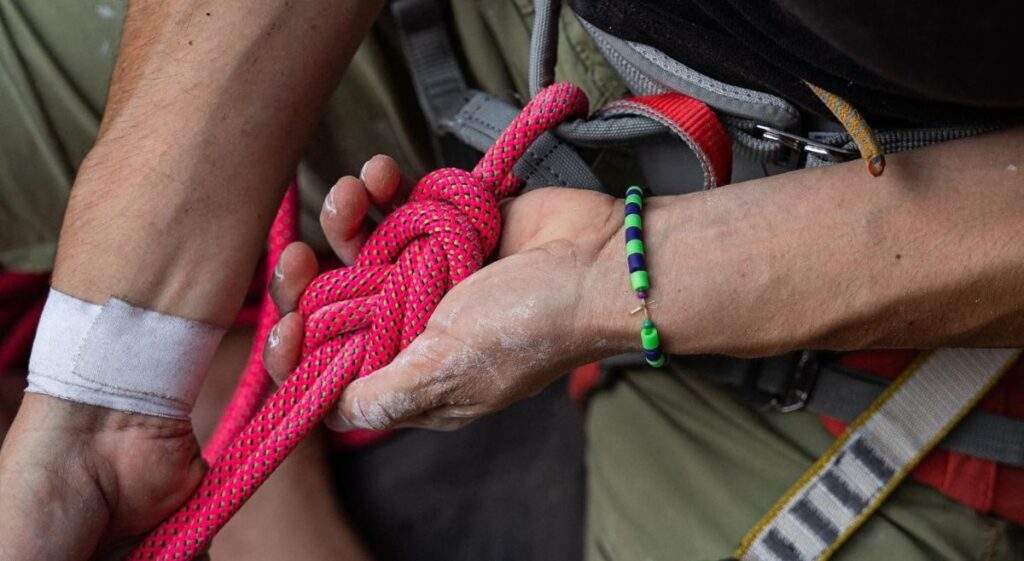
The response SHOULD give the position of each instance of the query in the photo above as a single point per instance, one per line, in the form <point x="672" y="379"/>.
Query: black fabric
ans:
<point x="509" y="487"/>
<point x="907" y="62"/>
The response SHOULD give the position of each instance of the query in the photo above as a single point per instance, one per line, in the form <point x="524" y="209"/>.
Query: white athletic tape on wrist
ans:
<point x="120" y="356"/>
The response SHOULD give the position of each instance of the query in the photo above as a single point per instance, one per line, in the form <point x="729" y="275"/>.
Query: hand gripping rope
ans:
<point x="358" y="318"/>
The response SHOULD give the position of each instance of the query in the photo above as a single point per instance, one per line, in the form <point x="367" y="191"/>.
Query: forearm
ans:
<point x="209" y="108"/>
<point x="927" y="255"/>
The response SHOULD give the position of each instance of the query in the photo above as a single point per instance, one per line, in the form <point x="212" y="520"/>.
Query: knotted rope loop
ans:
<point x="442" y="235"/>
<point x="357" y="318"/>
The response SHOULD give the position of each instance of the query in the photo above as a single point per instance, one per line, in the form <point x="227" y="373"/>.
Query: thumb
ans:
<point x="402" y="390"/>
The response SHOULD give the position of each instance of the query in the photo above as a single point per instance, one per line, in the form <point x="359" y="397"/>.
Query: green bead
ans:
<point x="657" y="363"/>
<point x="634" y="246"/>
<point x="634" y="198"/>
<point x="649" y="337"/>
<point x="634" y="221"/>
<point x="640" y="280"/>
<point x="633" y="189"/>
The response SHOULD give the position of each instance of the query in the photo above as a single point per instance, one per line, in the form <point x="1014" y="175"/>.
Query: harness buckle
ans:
<point x="802" y="144"/>
<point x="801" y="384"/>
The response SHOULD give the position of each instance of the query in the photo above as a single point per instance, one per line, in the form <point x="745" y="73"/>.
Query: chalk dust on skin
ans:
<point x="448" y="320"/>
<point x="401" y="404"/>
<point x="518" y="339"/>
<point x="503" y="335"/>
<point x="379" y="414"/>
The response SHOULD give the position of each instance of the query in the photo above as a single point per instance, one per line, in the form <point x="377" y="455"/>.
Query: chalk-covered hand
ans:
<point x="499" y="336"/>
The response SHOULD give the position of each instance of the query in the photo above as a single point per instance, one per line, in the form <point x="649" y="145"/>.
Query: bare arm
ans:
<point x="929" y="254"/>
<point x="209" y="108"/>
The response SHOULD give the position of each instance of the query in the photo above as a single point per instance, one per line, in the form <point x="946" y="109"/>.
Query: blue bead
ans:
<point x="636" y="262"/>
<point x="632" y="208"/>
<point x="653" y="356"/>
<point x="633" y="233"/>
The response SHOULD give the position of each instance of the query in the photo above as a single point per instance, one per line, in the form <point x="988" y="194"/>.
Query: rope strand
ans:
<point x="357" y="319"/>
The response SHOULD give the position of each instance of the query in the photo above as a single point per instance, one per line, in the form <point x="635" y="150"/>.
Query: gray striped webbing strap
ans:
<point x="864" y="465"/>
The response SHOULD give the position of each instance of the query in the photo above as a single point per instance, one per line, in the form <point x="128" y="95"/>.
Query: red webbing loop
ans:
<point x="692" y="121"/>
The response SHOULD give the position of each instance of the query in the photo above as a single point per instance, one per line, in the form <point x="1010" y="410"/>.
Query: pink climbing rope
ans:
<point x="254" y="383"/>
<point x="357" y="319"/>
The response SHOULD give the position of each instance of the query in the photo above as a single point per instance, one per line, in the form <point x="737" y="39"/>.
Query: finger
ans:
<point x="295" y="269"/>
<point x="342" y="217"/>
<point x="444" y="419"/>
<point x="384" y="181"/>
<point x="411" y="385"/>
<point x="284" y="344"/>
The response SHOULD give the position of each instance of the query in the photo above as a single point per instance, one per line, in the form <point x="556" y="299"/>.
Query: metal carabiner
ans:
<point x="801" y="383"/>
<point x="800" y="144"/>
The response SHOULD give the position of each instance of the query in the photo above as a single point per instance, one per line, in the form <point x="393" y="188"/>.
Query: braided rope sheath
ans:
<point x="254" y="383"/>
<point x="358" y="318"/>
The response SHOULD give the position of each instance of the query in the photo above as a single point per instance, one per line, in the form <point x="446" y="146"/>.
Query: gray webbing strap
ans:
<point x="843" y="394"/>
<point x="548" y="162"/>
<point x="543" y="44"/>
<point x="893" y="141"/>
<point x="438" y="80"/>
<point x="879" y="449"/>
<point x="647" y="70"/>
<point x="598" y="132"/>
<point x="450" y="106"/>
<point x="603" y="131"/>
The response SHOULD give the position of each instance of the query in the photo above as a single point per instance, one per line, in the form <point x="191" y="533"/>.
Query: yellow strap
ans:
<point x="856" y="126"/>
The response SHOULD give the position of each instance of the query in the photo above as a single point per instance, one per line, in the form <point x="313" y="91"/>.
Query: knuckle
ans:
<point x="383" y="412"/>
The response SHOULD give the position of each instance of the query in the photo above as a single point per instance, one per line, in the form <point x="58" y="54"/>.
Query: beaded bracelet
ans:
<point x="638" y="276"/>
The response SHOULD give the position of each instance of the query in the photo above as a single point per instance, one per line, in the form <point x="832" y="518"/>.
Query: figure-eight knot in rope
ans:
<point x="357" y="319"/>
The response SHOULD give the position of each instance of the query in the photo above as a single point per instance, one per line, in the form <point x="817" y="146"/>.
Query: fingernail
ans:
<point x="279" y="270"/>
<point x="362" y="170"/>
<point x="274" y="339"/>
<point x="329" y="201"/>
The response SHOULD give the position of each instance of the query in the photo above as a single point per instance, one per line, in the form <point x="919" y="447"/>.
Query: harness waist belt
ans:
<point x="842" y="394"/>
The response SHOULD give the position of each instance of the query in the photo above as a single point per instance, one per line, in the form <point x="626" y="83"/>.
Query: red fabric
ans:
<point x="692" y="121"/>
<point x="583" y="380"/>
<point x="21" y="303"/>
<point x="985" y="486"/>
